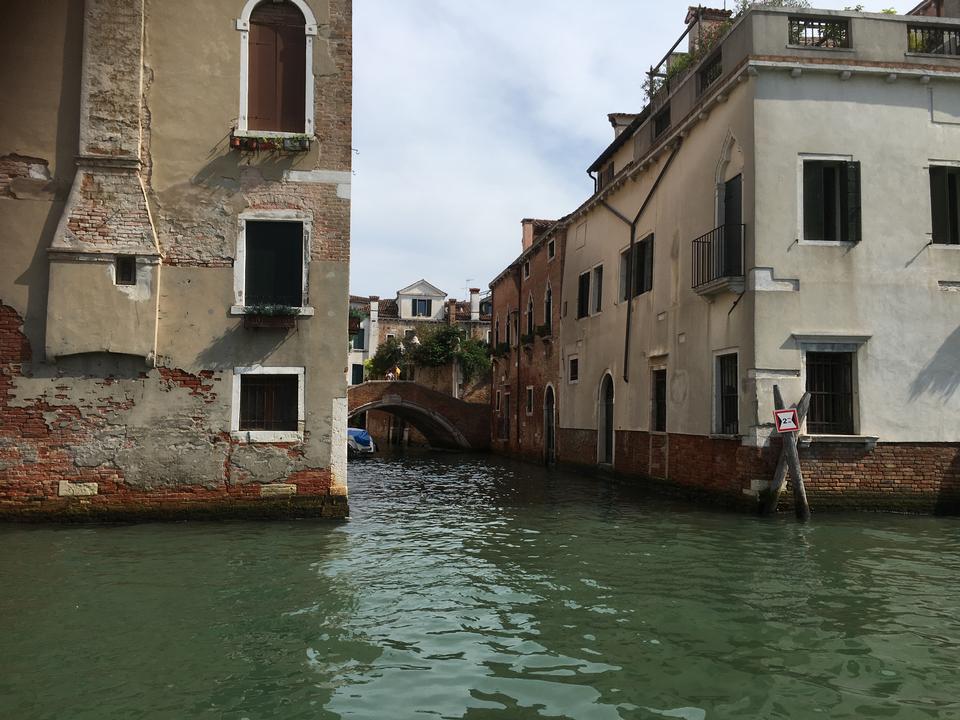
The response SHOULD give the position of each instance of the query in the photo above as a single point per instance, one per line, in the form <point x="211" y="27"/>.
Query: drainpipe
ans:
<point x="633" y="240"/>
<point x="517" y="340"/>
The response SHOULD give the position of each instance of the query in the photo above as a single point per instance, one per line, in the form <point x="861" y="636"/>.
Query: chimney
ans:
<point x="474" y="304"/>
<point x="705" y="24"/>
<point x="527" y="224"/>
<point x="620" y="121"/>
<point x="373" y="326"/>
<point x="452" y="311"/>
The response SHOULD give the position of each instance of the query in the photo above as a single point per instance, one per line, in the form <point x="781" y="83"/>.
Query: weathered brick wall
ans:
<point x="534" y="363"/>
<point x="69" y="447"/>
<point x="918" y="477"/>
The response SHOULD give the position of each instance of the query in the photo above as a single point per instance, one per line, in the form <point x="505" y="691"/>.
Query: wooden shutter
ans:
<point x="277" y="69"/>
<point x="938" y="204"/>
<point x="648" y="264"/>
<point x="812" y="200"/>
<point x="262" y="88"/>
<point x="852" y="215"/>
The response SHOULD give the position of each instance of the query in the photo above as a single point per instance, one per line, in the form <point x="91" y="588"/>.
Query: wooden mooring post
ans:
<point x="789" y="460"/>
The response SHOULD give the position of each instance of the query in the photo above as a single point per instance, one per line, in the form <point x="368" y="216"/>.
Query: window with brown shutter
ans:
<point x="277" y="72"/>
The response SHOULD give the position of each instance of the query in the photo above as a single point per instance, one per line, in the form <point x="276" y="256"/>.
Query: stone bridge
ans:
<point x="445" y="421"/>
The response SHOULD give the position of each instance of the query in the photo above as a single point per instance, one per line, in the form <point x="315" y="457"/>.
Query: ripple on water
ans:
<point x="467" y="587"/>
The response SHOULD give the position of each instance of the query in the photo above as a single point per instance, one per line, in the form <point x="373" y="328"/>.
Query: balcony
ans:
<point x="718" y="261"/>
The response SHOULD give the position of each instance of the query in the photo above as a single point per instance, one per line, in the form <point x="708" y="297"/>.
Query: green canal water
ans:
<point x="471" y="587"/>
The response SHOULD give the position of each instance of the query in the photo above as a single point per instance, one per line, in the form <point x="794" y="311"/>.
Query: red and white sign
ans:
<point x="787" y="420"/>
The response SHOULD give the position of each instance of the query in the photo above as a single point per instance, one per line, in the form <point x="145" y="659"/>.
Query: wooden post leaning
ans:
<point x="789" y="459"/>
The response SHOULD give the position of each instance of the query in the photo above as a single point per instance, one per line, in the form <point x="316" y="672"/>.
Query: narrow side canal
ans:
<point x="472" y="587"/>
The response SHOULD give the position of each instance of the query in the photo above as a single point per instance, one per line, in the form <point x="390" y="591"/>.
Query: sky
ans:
<point x="468" y="117"/>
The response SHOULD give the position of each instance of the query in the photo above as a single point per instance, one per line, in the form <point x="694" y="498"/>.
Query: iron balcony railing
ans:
<point x="933" y="40"/>
<point x="820" y="32"/>
<point x="718" y="254"/>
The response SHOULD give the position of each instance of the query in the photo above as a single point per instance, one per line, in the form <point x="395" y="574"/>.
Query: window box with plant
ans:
<point x="270" y="316"/>
<point x="285" y="142"/>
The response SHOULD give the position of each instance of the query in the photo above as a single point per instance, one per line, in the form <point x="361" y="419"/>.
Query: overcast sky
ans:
<point x="468" y="116"/>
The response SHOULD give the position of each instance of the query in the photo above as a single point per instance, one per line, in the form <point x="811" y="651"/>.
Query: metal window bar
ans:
<point x="933" y="40"/>
<point x="268" y="402"/>
<point x="830" y="384"/>
<point x="820" y="32"/>
<point x="718" y="254"/>
<point x="729" y="400"/>
<point x="711" y="72"/>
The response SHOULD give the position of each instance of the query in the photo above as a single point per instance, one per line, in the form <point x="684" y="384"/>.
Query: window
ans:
<point x="606" y="175"/>
<point x="276" y="67"/>
<point x="529" y="400"/>
<point x="503" y="426"/>
<point x="830" y="384"/>
<point x="945" y="203"/>
<point x="272" y="263"/>
<point x="583" y="295"/>
<point x="661" y="122"/>
<point x="659" y="395"/>
<point x="548" y="309"/>
<point x="831" y="201"/>
<point x="409" y="334"/>
<point x="356" y="374"/>
<point x="597" y="289"/>
<point x="727" y="395"/>
<point x="268" y="404"/>
<point x="496" y="332"/>
<point x="509" y="333"/>
<point x="391" y="336"/>
<point x="530" y="316"/>
<point x="488" y="337"/>
<point x="636" y="269"/>
<point x="358" y="338"/>
<point x="551" y="250"/>
<point x="126" y="270"/>
<point x="574" y="374"/>
<point x="710" y="72"/>
<point x="421" y="308"/>
<point x="526" y="269"/>
<point x="498" y="401"/>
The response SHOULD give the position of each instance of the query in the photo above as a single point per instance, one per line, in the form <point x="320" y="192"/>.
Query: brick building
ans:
<point x="526" y="318"/>
<point x="745" y="232"/>
<point x="174" y="196"/>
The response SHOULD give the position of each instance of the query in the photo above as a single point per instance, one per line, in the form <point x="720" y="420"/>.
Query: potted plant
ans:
<point x="270" y="316"/>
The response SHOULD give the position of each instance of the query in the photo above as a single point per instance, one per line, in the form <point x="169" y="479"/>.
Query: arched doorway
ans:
<point x="605" y="422"/>
<point x="549" y="427"/>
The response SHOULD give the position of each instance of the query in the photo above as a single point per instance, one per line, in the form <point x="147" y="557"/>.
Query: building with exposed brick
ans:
<point x="526" y="323"/>
<point x="782" y="212"/>
<point x="175" y="205"/>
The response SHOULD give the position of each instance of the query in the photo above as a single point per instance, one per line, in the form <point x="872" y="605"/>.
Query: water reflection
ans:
<point x="469" y="587"/>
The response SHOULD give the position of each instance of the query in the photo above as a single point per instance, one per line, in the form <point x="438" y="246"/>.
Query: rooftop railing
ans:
<point x="820" y="32"/>
<point x="933" y="40"/>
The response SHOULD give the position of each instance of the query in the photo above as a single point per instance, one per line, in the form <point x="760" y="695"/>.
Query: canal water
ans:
<point x="472" y="587"/>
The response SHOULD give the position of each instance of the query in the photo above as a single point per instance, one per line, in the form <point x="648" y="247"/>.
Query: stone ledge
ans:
<point x="71" y="489"/>
<point x="278" y="490"/>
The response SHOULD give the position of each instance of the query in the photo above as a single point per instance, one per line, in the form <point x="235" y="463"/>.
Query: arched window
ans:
<point x="548" y="308"/>
<point x="496" y="333"/>
<point x="276" y="67"/>
<point x="530" y="316"/>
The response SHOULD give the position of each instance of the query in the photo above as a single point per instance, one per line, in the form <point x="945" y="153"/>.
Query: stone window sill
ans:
<point x="305" y="311"/>
<point x="936" y="56"/>
<point x="867" y="440"/>
<point x="271" y="436"/>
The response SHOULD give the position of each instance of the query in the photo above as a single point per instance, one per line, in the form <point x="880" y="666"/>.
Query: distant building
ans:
<point x="782" y="212"/>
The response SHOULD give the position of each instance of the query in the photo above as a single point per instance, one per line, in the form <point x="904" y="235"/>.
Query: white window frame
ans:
<point x="310" y="29"/>
<point x="596" y="298"/>
<point x="801" y="159"/>
<point x="526" y="269"/>
<point x="569" y="359"/>
<point x="252" y="436"/>
<point x="530" y="400"/>
<point x="551" y="249"/>
<point x="240" y="262"/>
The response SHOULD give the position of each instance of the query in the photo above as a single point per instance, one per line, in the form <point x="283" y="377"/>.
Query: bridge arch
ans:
<point x="444" y="420"/>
